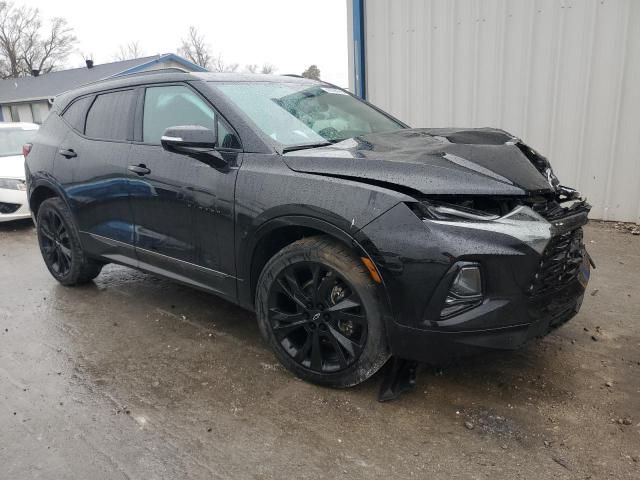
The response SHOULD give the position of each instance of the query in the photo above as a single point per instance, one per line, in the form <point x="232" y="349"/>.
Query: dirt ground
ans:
<point x="134" y="377"/>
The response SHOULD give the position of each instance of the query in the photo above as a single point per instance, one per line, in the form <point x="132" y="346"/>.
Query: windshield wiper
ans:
<point x="303" y="146"/>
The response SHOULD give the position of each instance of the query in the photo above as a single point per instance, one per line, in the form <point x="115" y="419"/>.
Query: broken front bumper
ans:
<point x="529" y="287"/>
<point x="537" y="320"/>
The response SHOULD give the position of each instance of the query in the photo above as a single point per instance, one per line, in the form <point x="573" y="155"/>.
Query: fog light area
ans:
<point x="465" y="291"/>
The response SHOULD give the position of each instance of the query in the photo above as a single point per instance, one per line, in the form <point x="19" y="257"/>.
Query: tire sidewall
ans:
<point x="77" y="257"/>
<point x="375" y="352"/>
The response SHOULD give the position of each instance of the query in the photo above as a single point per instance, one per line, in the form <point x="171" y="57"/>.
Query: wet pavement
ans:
<point x="134" y="377"/>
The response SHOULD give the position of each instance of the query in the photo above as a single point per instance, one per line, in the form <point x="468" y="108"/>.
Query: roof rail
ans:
<point x="147" y="72"/>
<point x="292" y="75"/>
<point x="134" y="74"/>
<point x="127" y="75"/>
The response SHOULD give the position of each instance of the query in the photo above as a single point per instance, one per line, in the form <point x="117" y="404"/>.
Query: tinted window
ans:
<point x="76" y="113"/>
<point x="172" y="106"/>
<point x="226" y="138"/>
<point x="175" y="105"/>
<point x="109" y="115"/>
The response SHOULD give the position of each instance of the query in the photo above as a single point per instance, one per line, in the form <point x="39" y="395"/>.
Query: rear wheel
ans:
<point x="60" y="245"/>
<point x="317" y="308"/>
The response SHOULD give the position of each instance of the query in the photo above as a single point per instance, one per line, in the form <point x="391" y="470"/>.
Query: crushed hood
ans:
<point x="479" y="161"/>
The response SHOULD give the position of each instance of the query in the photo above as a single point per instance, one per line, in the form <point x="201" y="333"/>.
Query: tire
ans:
<point x="60" y="245"/>
<point x="344" y="327"/>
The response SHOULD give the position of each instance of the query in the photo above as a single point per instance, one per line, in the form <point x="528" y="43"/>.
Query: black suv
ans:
<point x="351" y="235"/>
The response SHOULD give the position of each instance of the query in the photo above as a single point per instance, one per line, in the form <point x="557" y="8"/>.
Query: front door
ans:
<point x="182" y="207"/>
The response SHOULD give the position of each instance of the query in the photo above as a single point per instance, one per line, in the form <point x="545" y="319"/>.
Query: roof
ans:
<point x="131" y="79"/>
<point x="255" y="77"/>
<point x="49" y="85"/>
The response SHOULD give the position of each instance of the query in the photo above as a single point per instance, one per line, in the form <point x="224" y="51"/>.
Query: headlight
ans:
<point x="519" y="221"/>
<point x="13" y="184"/>
<point x="445" y="211"/>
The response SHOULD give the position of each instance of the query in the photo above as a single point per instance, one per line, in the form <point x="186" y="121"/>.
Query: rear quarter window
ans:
<point x="76" y="113"/>
<point x="109" y="117"/>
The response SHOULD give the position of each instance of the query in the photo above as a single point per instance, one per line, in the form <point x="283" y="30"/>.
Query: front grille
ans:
<point x="7" y="208"/>
<point x="560" y="263"/>
<point x="553" y="210"/>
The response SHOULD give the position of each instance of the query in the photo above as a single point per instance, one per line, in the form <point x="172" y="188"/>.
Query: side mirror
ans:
<point x="193" y="140"/>
<point x="185" y="136"/>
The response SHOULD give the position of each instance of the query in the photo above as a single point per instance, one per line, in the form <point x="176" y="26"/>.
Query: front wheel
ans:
<point x="318" y="309"/>
<point x="60" y="245"/>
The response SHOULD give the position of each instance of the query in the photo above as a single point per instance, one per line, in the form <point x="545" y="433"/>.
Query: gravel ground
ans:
<point x="134" y="377"/>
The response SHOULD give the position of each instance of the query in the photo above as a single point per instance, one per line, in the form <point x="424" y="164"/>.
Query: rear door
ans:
<point x="92" y="166"/>
<point x="182" y="207"/>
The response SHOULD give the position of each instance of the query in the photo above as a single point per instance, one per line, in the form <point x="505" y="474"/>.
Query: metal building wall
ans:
<point x="563" y="75"/>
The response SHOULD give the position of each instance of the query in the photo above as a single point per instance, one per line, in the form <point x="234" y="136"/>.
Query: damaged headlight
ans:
<point x="446" y="211"/>
<point x="520" y="222"/>
<point x="13" y="184"/>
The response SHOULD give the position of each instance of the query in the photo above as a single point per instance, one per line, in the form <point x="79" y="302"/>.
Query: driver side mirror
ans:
<point x="194" y="140"/>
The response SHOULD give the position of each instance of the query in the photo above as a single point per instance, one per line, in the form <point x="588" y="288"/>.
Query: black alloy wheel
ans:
<point x="60" y="245"/>
<point x="317" y="317"/>
<point x="322" y="313"/>
<point x="56" y="243"/>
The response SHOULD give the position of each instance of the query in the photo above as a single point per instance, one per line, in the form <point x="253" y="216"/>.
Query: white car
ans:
<point x="13" y="189"/>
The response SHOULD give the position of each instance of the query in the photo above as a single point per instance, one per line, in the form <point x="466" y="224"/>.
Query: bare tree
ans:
<point x="251" y="68"/>
<point x="312" y="72"/>
<point x="25" y="47"/>
<point x="268" y="68"/>
<point x="218" y="65"/>
<point x="129" y="51"/>
<point x="195" y="48"/>
<point x="52" y="50"/>
<point x="254" y="68"/>
<point x="14" y="22"/>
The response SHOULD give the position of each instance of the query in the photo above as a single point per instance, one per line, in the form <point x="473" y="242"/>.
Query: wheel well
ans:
<point x="39" y="195"/>
<point x="272" y="243"/>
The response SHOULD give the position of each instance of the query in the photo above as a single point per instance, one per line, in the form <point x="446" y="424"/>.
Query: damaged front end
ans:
<point x="485" y="251"/>
<point x="471" y="308"/>
<point x="494" y="271"/>
<point x="551" y="225"/>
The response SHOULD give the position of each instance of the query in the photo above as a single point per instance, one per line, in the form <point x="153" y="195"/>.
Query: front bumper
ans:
<point x="438" y="345"/>
<point x="416" y="259"/>
<point x="11" y="199"/>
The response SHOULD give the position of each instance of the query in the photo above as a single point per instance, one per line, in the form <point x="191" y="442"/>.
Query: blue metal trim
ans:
<point x="359" y="66"/>
<point x="163" y="58"/>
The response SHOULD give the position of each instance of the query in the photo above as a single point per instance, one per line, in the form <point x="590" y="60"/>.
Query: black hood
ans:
<point x="480" y="161"/>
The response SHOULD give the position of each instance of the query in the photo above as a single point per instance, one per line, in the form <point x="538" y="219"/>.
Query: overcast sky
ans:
<point x="290" y="34"/>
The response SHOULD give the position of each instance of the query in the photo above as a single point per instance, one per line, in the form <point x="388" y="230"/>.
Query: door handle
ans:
<point x="139" y="169"/>
<point x="68" y="153"/>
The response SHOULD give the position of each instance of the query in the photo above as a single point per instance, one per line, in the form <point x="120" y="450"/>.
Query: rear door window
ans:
<point x="76" y="113"/>
<point x="109" y="117"/>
